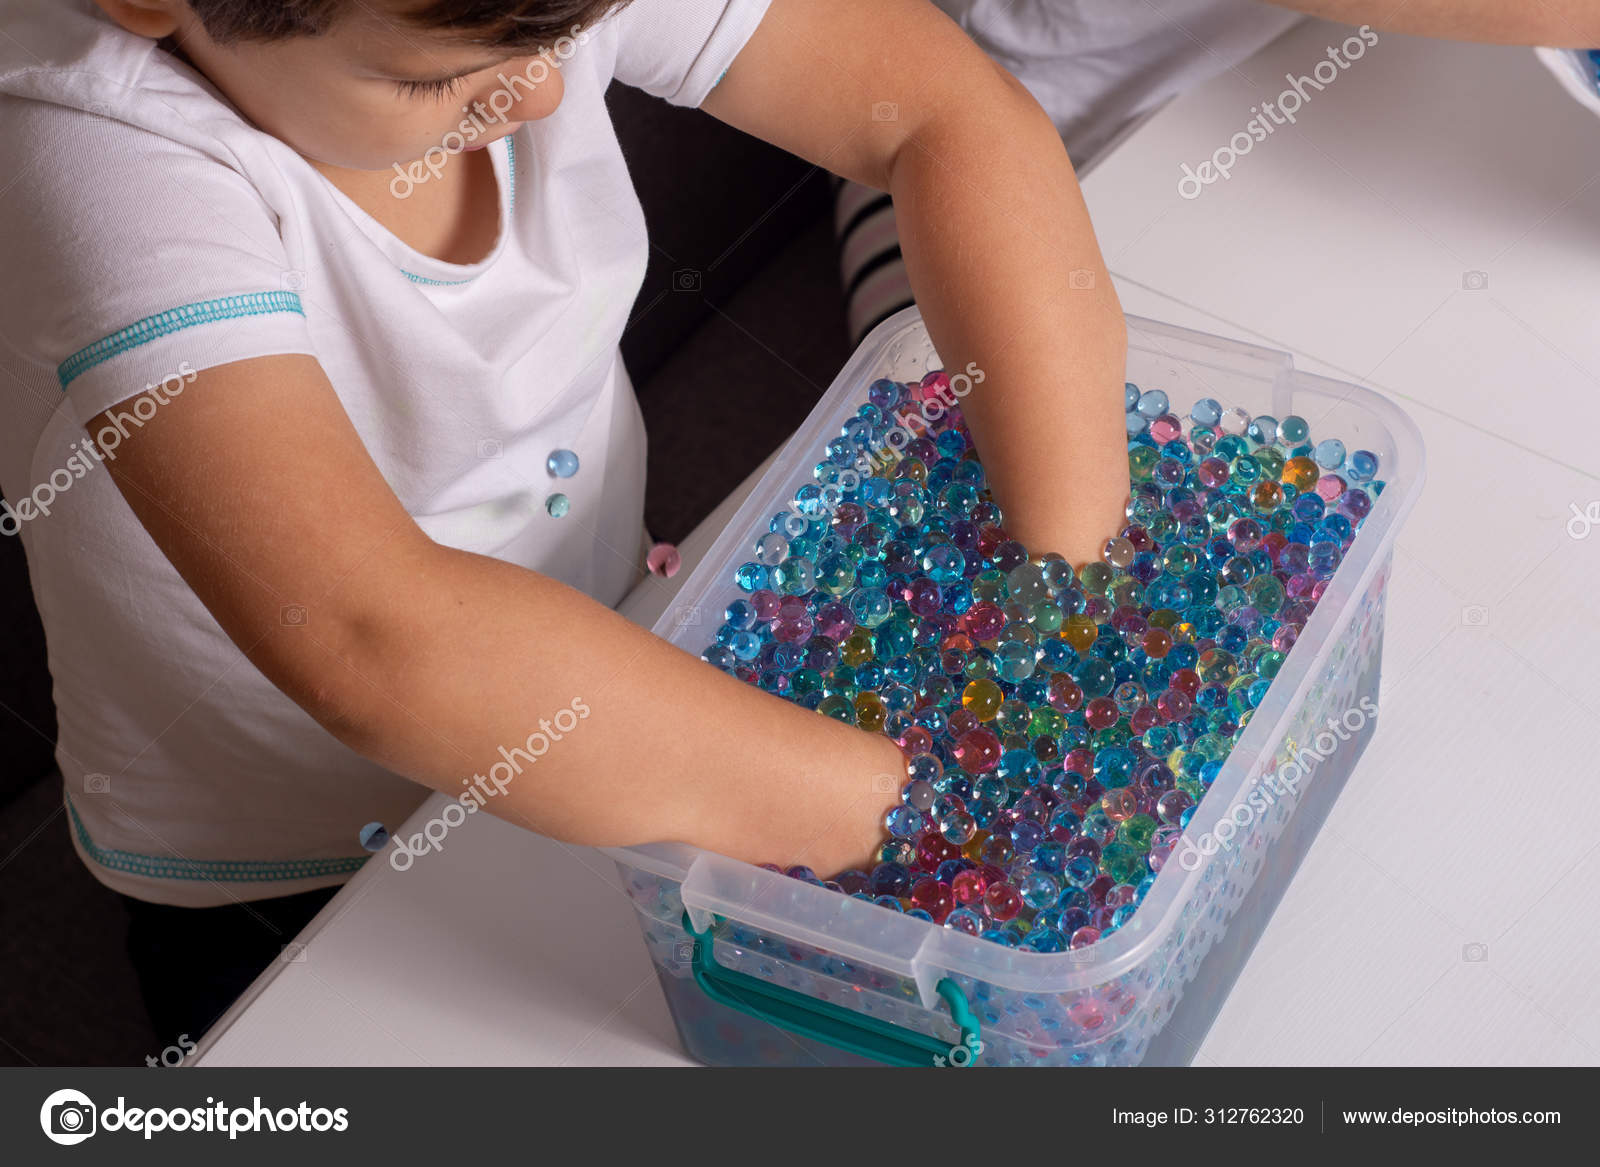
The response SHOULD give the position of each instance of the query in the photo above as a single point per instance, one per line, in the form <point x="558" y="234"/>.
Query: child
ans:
<point x="325" y="462"/>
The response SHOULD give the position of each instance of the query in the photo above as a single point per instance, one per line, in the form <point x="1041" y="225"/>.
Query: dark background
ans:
<point x="737" y="331"/>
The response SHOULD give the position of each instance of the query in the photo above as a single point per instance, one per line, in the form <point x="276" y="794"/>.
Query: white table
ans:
<point x="1468" y="823"/>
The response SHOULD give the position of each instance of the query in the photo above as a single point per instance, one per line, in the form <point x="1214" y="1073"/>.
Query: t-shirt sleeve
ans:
<point x="129" y="258"/>
<point x="679" y="49"/>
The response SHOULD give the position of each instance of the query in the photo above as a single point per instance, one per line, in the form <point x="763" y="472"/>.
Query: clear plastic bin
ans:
<point x="760" y="969"/>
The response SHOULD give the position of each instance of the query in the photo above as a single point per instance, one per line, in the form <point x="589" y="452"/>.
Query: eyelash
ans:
<point x="434" y="89"/>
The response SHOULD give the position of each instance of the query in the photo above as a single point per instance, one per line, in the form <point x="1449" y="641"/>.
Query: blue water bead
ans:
<point x="1113" y="766"/>
<point x="1308" y="507"/>
<point x="1050" y="858"/>
<point x="1130" y="397"/>
<point x="1206" y="411"/>
<point x="719" y="656"/>
<point x="561" y="463"/>
<point x="903" y="822"/>
<point x="1057" y="655"/>
<point x="745" y="645"/>
<point x="751" y="577"/>
<point x="1262" y="430"/>
<point x="1136" y="424"/>
<point x="557" y="506"/>
<point x="740" y="614"/>
<point x="964" y="920"/>
<point x="1039" y="890"/>
<point x="1025" y="835"/>
<point x="1095" y="677"/>
<point x="1044" y="940"/>
<point x="787" y="657"/>
<point x="771" y="549"/>
<point x="885" y="394"/>
<point x="1329" y="453"/>
<point x="1361" y="466"/>
<point x="1015" y="661"/>
<point x="1080" y="871"/>
<point x="1293" y="430"/>
<point x="944" y="563"/>
<point x="890" y="879"/>
<point x="373" y="836"/>
<point x="1019" y="769"/>
<point x="1152" y="404"/>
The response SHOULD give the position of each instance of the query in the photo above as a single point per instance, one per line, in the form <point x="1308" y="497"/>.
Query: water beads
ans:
<point x="1060" y="726"/>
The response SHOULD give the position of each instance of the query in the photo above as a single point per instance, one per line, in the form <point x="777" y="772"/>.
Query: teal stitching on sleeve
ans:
<point x="511" y="175"/>
<point x="214" y="870"/>
<point x="170" y="321"/>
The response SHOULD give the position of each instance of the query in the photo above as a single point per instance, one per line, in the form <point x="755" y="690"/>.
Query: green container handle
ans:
<point x="856" y="1033"/>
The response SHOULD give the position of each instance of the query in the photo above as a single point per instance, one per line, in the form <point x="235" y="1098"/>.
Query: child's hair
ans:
<point x="500" y="24"/>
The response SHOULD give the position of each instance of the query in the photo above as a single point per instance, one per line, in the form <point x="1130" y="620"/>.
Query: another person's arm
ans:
<point x="1562" y="24"/>
<point x="997" y="241"/>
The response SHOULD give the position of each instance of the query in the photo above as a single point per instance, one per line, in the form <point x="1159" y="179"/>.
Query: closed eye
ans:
<point x="434" y="89"/>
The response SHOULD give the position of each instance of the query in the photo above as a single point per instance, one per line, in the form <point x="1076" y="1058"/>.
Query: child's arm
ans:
<point x="429" y="660"/>
<point x="1561" y="24"/>
<point x="996" y="238"/>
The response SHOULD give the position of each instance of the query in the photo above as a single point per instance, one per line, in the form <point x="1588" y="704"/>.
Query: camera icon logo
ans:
<point x="885" y="783"/>
<point x="687" y="279"/>
<point x="683" y="952"/>
<point x="490" y="448"/>
<point x="294" y="281"/>
<point x="292" y="615"/>
<point x="1080" y="279"/>
<point x="1475" y="953"/>
<point x="885" y="111"/>
<point x="67" y="1117"/>
<point x="1474" y="281"/>
<point x="97" y="783"/>
<point x="293" y="953"/>
<point x="1584" y="521"/>
<point x="1475" y="616"/>
<point x="686" y="616"/>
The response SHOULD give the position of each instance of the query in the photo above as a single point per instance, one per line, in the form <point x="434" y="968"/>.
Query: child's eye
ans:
<point x="433" y="89"/>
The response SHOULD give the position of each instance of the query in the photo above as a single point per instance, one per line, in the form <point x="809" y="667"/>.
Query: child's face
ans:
<point x="351" y="97"/>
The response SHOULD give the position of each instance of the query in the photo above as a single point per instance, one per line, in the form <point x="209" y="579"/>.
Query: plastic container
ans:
<point x="760" y="969"/>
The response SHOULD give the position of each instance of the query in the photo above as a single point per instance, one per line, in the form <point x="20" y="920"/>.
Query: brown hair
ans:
<point x="499" y="24"/>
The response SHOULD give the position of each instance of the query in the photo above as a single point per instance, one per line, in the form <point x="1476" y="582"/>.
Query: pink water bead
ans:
<point x="1330" y="487"/>
<point x="977" y="751"/>
<point x="835" y="621"/>
<point x="664" y="560"/>
<point x="765" y="603"/>
<point x="1166" y="428"/>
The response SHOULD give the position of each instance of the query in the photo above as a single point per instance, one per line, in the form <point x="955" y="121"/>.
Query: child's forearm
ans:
<point x="441" y="664"/>
<point x="1005" y="267"/>
<point x="476" y="657"/>
<point x="996" y="237"/>
<point x="1571" y="24"/>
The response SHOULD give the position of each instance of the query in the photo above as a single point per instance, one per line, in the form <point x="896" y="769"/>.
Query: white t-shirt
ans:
<point x="147" y="232"/>
<point x="1097" y="65"/>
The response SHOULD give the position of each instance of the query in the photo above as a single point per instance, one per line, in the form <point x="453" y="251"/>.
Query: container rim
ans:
<point x="1159" y="913"/>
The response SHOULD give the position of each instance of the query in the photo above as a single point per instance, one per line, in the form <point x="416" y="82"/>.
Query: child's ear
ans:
<point x="149" y="18"/>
